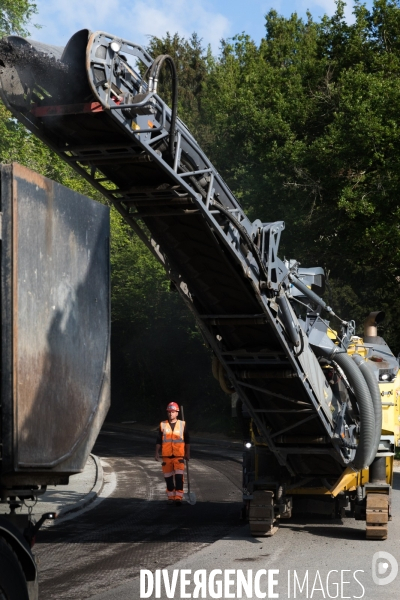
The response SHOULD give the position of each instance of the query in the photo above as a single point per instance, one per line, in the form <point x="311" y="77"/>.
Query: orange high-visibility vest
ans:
<point x="173" y="443"/>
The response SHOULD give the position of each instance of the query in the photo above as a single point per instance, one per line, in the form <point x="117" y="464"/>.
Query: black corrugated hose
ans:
<point x="376" y="401"/>
<point x="363" y="457"/>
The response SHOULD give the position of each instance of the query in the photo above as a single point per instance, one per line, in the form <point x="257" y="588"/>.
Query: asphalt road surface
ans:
<point x="99" y="554"/>
<point x="134" y="528"/>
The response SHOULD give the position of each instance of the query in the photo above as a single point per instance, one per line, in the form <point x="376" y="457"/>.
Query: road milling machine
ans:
<point x="313" y="397"/>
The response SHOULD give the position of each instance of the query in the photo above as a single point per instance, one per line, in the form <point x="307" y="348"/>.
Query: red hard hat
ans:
<point x="172" y="406"/>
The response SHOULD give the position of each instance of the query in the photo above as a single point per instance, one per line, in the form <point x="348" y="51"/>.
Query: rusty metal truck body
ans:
<point x="55" y="359"/>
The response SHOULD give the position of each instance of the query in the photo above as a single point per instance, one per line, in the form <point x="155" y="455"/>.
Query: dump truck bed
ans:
<point x="55" y="316"/>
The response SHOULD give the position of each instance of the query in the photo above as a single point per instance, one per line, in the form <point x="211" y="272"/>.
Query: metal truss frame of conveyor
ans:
<point x="264" y="271"/>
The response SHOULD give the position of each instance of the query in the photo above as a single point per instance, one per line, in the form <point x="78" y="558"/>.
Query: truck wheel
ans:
<point x="12" y="578"/>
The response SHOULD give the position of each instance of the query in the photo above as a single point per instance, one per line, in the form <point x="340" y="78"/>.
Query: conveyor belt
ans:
<point x="95" y="110"/>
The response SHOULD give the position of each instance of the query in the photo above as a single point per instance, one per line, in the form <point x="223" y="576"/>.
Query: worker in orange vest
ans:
<point x="174" y="443"/>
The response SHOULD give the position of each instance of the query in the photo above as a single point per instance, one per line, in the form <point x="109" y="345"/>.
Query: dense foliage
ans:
<point x="306" y="130"/>
<point x="304" y="127"/>
<point x="15" y="16"/>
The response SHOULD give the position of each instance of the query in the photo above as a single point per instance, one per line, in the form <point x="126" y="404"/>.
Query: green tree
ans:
<point x="306" y="131"/>
<point x="15" y="15"/>
<point x="157" y="352"/>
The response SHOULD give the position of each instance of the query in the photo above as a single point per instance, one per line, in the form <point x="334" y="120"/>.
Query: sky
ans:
<point x="136" y="20"/>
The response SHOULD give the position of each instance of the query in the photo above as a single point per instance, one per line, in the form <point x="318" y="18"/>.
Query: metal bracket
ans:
<point x="271" y="236"/>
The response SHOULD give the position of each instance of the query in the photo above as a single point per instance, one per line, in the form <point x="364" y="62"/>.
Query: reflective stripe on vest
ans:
<point x="173" y="443"/>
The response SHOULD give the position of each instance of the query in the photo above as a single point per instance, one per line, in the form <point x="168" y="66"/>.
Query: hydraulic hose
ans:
<point x="367" y="414"/>
<point x="291" y="328"/>
<point x="376" y="401"/>
<point x="301" y="286"/>
<point x="307" y="292"/>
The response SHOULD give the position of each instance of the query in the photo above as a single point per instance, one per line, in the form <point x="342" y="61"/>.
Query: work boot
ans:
<point x="178" y="503"/>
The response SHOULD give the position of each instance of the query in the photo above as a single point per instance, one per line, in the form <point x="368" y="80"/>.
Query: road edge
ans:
<point x="91" y="496"/>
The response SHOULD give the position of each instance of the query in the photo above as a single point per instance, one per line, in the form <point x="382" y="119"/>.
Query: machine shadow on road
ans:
<point x="206" y="455"/>
<point x="122" y="520"/>
<point x="145" y="446"/>
<point x="335" y="529"/>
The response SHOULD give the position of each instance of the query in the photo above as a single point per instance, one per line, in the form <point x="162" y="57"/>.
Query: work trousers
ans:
<point x="173" y="468"/>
